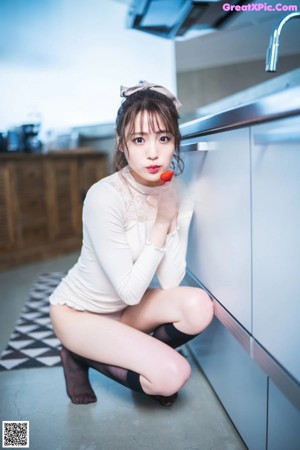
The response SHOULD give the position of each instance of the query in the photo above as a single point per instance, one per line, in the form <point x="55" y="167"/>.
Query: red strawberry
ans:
<point x="167" y="175"/>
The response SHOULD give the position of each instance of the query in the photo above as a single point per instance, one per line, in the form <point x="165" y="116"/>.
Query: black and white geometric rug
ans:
<point x="33" y="342"/>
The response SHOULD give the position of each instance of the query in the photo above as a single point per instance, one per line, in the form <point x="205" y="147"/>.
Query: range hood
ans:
<point x="173" y="19"/>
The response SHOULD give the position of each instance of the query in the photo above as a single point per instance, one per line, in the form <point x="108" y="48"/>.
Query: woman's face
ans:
<point x="149" y="151"/>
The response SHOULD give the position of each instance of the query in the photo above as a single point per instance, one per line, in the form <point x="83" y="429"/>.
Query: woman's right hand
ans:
<point x="167" y="205"/>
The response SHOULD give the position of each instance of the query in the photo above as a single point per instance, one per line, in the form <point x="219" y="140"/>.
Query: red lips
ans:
<point x="153" y="169"/>
<point x="167" y="176"/>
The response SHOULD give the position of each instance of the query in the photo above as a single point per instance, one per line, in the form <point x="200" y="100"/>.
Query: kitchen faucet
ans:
<point x="272" y="52"/>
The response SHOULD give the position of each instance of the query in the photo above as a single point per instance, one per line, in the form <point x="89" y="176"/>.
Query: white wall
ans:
<point x="67" y="58"/>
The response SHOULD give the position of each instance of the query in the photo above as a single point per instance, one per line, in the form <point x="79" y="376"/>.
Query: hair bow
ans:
<point x="143" y="85"/>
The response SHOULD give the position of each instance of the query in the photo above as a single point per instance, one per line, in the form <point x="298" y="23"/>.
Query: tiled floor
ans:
<point x="120" y="420"/>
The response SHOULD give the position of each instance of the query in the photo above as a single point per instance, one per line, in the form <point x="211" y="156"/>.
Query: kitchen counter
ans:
<point x="273" y="106"/>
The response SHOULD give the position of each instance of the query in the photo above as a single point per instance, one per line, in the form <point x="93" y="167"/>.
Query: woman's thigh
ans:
<point x="191" y="309"/>
<point x="109" y="341"/>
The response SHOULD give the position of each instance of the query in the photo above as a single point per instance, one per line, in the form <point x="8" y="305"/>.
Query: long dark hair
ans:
<point x="156" y="105"/>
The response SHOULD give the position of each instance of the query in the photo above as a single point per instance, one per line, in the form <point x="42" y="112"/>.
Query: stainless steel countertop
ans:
<point x="271" y="107"/>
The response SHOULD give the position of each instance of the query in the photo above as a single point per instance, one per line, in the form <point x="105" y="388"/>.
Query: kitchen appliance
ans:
<point x="3" y="141"/>
<point x="23" y="138"/>
<point x="29" y="133"/>
<point x="172" y="19"/>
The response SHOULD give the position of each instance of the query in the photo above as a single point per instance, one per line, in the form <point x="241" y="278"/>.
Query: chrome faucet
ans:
<point x="272" y="52"/>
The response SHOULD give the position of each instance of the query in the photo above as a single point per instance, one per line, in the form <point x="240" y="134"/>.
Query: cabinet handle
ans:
<point x="199" y="146"/>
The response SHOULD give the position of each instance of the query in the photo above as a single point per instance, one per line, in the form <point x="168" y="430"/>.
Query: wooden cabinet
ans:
<point x="64" y="190"/>
<point x="41" y="203"/>
<point x="6" y="209"/>
<point x="30" y="211"/>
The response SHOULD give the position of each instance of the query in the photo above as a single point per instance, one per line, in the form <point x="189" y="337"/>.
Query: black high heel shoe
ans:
<point x="165" y="401"/>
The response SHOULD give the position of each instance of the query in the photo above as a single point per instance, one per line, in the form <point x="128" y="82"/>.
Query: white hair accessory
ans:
<point x="143" y="85"/>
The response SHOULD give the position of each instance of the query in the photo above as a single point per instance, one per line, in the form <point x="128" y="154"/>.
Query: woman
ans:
<point x="120" y="309"/>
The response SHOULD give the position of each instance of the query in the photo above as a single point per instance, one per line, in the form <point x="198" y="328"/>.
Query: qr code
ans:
<point x="15" y="434"/>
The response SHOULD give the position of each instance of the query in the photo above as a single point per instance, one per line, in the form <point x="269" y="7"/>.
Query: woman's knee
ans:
<point x="172" y="376"/>
<point x="197" y="310"/>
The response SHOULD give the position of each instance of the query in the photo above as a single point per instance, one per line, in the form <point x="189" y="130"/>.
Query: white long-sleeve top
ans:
<point x="117" y="263"/>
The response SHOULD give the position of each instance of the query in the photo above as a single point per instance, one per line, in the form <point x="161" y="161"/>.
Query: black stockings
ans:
<point x="77" y="381"/>
<point x="76" y="369"/>
<point x="171" y="336"/>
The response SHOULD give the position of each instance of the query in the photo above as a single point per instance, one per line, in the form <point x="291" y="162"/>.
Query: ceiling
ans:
<point x="244" y="38"/>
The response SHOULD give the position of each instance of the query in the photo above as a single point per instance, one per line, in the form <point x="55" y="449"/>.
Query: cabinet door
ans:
<point x="238" y="382"/>
<point x="283" y="422"/>
<point x="276" y="239"/>
<point x="64" y="197"/>
<point x="219" y="251"/>
<point x="6" y="207"/>
<point x="31" y="212"/>
<point x="92" y="169"/>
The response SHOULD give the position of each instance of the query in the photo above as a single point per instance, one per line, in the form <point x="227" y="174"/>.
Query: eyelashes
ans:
<point x="140" y="140"/>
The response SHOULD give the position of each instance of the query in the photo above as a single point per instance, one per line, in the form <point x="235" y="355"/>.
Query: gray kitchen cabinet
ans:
<point x="283" y="422"/>
<point x="219" y="253"/>
<point x="276" y="240"/>
<point x="239" y="383"/>
<point x="243" y="169"/>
